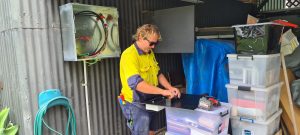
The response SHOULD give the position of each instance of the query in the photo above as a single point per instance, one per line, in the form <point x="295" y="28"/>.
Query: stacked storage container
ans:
<point x="254" y="88"/>
<point x="198" y="121"/>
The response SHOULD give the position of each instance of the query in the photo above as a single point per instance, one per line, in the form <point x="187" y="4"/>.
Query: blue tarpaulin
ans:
<point x="206" y="70"/>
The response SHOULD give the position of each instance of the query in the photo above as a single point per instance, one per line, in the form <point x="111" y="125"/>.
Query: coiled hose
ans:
<point x="48" y="99"/>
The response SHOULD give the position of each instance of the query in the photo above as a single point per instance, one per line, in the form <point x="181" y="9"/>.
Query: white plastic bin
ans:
<point x="223" y="112"/>
<point x="254" y="103"/>
<point x="255" y="71"/>
<point x="198" y="122"/>
<point x="269" y="127"/>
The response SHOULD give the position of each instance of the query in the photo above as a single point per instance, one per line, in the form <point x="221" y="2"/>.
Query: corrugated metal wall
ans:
<point x="31" y="60"/>
<point x="272" y="5"/>
<point x="216" y="13"/>
<point x="10" y="76"/>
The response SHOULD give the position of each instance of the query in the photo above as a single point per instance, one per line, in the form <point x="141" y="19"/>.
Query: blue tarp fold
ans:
<point x="206" y="70"/>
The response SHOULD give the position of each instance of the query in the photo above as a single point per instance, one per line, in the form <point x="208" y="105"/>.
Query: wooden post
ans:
<point x="289" y="95"/>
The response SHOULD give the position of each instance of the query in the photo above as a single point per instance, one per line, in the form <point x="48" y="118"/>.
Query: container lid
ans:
<point x="221" y="110"/>
<point x="266" y="23"/>
<point x="267" y="122"/>
<point x="231" y="86"/>
<point x="252" y="56"/>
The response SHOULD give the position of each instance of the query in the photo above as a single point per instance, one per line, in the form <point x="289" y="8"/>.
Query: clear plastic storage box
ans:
<point x="198" y="121"/>
<point x="255" y="103"/>
<point x="269" y="127"/>
<point x="255" y="71"/>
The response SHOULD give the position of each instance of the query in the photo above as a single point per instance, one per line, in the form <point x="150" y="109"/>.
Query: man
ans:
<point x="139" y="73"/>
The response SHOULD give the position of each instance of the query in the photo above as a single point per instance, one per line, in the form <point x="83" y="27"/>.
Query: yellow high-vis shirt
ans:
<point x="132" y="63"/>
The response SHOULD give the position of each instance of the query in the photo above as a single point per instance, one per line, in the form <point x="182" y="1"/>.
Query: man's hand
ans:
<point x="167" y="93"/>
<point x="175" y="91"/>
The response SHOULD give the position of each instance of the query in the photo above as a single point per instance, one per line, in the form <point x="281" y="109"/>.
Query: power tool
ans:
<point x="208" y="102"/>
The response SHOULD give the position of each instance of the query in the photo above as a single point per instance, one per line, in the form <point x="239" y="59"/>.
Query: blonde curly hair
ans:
<point x="145" y="31"/>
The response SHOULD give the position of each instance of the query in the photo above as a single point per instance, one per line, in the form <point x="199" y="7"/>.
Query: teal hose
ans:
<point x="57" y="101"/>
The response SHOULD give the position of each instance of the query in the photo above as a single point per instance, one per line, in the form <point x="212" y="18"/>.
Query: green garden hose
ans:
<point x="47" y="100"/>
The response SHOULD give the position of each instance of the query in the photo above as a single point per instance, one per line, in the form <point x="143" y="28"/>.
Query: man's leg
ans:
<point x="138" y="119"/>
<point x="141" y="120"/>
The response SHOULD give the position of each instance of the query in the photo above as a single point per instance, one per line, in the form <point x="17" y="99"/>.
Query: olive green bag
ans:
<point x="258" y="38"/>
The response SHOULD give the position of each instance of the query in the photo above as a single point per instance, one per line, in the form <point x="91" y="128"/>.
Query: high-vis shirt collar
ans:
<point x="138" y="49"/>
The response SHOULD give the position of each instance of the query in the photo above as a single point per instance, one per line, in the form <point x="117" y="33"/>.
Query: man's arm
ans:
<point x="165" y="83"/>
<point x="149" y="89"/>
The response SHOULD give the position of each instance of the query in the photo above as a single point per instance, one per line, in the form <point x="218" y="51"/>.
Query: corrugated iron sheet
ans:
<point x="216" y="13"/>
<point x="272" y="5"/>
<point x="32" y="61"/>
<point x="9" y="75"/>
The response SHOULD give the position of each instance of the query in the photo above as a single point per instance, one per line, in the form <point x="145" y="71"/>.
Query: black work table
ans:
<point x="186" y="101"/>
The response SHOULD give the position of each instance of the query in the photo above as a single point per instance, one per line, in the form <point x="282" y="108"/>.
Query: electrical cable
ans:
<point x="57" y="101"/>
<point x="100" y="17"/>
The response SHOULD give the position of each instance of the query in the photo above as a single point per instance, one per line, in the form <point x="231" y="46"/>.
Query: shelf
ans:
<point x="214" y="32"/>
<point x="287" y="11"/>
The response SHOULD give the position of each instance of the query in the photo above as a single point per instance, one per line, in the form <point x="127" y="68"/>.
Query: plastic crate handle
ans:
<point x="244" y="55"/>
<point x="246" y="119"/>
<point x="224" y="114"/>
<point x="244" y="88"/>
